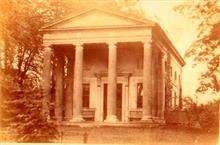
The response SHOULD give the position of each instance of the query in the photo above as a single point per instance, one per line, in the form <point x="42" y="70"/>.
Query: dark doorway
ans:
<point x="118" y="101"/>
<point x="105" y="101"/>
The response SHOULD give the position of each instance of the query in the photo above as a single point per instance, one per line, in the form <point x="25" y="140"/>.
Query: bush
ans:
<point x="209" y="116"/>
<point x="22" y="112"/>
<point x="206" y="115"/>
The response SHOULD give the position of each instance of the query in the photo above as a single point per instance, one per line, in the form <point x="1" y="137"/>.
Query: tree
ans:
<point x="205" y="50"/>
<point x="21" y="97"/>
<point x="22" y="112"/>
<point x="206" y="115"/>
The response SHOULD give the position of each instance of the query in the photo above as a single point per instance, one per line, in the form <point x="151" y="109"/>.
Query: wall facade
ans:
<point x="107" y="71"/>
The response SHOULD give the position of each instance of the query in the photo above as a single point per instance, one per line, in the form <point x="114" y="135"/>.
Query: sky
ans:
<point x="182" y="32"/>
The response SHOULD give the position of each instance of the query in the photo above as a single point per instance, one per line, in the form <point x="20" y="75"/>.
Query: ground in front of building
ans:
<point x="156" y="135"/>
<point x="138" y="135"/>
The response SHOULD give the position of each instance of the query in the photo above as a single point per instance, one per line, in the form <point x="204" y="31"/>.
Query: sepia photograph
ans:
<point x="110" y="72"/>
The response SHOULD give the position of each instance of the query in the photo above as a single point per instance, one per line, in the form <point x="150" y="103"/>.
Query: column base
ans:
<point x="58" y="119"/>
<point x="77" y="119"/>
<point x="67" y="118"/>
<point x="111" y="119"/>
<point x="48" y="117"/>
<point x="158" y="120"/>
<point x="147" y="119"/>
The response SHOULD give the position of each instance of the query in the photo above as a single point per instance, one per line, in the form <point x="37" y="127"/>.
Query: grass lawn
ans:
<point x="162" y="135"/>
<point x="133" y="135"/>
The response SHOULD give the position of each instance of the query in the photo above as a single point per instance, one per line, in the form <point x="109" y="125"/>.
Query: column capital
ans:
<point x="78" y="44"/>
<point x="163" y="55"/>
<point x="99" y="79"/>
<point x="112" y="44"/>
<point x="47" y="46"/>
<point x="146" y="43"/>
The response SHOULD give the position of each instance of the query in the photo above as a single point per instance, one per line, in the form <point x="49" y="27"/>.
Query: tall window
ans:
<point x="165" y="63"/>
<point x="175" y="76"/>
<point x="139" y="95"/>
<point x="171" y="71"/>
<point x="171" y="101"/>
<point x="175" y="100"/>
<point x="86" y="95"/>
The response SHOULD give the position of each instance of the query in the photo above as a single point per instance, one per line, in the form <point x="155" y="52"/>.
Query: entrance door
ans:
<point x="105" y="101"/>
<point x="118" y="101"/>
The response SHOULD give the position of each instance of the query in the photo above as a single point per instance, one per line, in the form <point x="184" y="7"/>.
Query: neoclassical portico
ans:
<point x="92" y="68"/>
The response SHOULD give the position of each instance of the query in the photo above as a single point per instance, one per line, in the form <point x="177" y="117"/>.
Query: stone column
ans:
<point x="163" y="76"/>
<point x="161" y="86"/>
<point x="78" y="84"/>
<point x="147" y="83"/>
<point x="59" y="74"/>
<point x="1" y="94"/>
<point x="69" y="89"/>
<point x="46" y="81"/>
<point x="154" y="69"/>
<point x="112" y="83"/>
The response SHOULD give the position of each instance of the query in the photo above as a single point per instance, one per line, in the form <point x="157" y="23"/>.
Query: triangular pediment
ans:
<point x="96" y="18"/>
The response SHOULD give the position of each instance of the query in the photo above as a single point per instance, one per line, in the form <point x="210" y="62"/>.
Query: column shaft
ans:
<point x="159" y="89"/>
<point x="78" y="84"/>
<point x="147" y="83"/>
<point x="69" y="89"/>
<point x="1" y="94"/>
<point x="154" y="84"/>
<point x="59" y="70"/>
<point x="112" y="84"/>
<point x="46" y="80"/>
<point x="162" y="86"/>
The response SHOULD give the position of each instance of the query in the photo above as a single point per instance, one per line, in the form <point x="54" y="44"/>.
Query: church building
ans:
<point x="108" y="67"/>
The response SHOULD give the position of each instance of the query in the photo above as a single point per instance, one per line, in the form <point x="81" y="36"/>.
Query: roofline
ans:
<point x="145" y="21"/>
<point x="172" y="47"/>
<point x="95" y="27"/>
<point x="95" y="8"/>
<point x="64" y="19"/>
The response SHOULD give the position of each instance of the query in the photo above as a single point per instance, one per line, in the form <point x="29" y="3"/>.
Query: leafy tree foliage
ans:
<point x="22" y="115"/>
<point x="205" y="49"/>
<point x="206" y="115"/>
<point x="20" y="22"/>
